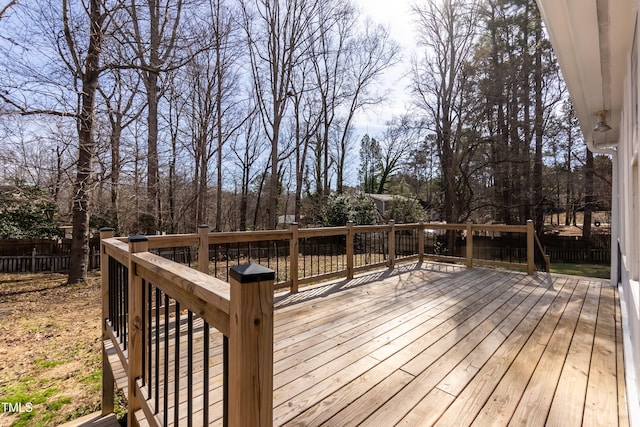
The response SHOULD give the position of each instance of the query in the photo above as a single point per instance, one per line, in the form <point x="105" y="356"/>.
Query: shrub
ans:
<point x="27" y="212"/>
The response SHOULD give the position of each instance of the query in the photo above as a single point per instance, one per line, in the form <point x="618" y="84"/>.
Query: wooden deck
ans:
<point x="436" y="344"/>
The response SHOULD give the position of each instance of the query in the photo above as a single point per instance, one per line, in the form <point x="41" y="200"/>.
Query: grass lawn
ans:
<point x="586" y="270"/>
<point x="50" y="355"/>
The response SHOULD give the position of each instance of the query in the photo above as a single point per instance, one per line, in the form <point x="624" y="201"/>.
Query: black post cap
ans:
<point x="251" y="273"/>
<point x="106" y="229"/>
<point x="136" y="238"/>
<point x="203" y="226"/>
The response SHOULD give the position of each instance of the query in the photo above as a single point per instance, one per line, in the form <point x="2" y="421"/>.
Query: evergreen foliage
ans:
<point x="27" y="212"/>
<point x="340" y="208"/>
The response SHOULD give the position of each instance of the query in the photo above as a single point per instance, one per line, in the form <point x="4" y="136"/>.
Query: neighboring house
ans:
<point x="285" y="220"/>
<point x="383" y="201"/>
<point x="597" y="45"/>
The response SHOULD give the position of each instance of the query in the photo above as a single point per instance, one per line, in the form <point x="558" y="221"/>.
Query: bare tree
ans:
<point x="399" y="139"/>
<point x="247" y="150"/>
<point x="276" y="30"/>
<point x="306" y="122"/>
<point x="119" y="94"/>
<point x="441" y="85"/>
<point x="226" y="48"/>
<point x="153" y="38"/>
<point x="87" y="69"/>
<point x="80" y="59"/>
<point x="5" y="8"/>
<point x="371" y="53"/>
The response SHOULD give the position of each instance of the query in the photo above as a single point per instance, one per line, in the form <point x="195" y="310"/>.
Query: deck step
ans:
<point x="93" y="420"/>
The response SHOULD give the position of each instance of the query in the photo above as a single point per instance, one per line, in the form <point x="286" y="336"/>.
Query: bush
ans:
<point x="339" y="209"/>
<point x="404" y="211"/>
<point x="27" y="212"/>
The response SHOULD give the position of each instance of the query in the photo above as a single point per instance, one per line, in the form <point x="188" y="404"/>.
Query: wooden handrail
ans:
<point x="322" y="232"/>
<point x="196" y="291"/>
<point x="248" y="236"/>
<point x="207" y="297"/>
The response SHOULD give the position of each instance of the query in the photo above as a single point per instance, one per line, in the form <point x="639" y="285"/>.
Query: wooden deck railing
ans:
<point x="301" y="256"/>
<point x="155" y="310"/>
<point x="145" y="298"/>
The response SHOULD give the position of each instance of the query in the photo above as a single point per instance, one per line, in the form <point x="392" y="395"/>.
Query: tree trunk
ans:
<point x="272" y="204"/>
<point x="79" y="255"/>
<point x="539" y="131"/>
<point x="116" y="129"/>
<point x="589" y="207"/>
<point x="153" y="194"/>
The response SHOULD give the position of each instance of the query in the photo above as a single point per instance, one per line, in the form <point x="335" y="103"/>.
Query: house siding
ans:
<point x="626" y="194"/>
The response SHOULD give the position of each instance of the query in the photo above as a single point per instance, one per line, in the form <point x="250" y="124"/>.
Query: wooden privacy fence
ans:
<point x="35" y="263"/>
<point x="586" y="255"/>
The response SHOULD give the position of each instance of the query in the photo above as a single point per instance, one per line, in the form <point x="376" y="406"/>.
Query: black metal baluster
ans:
<point x="225" y="381"/>
<point x="149" y="344"/>
<point x="268" y="253"/>
<point x="166" y="361"/>
<point x="190" y="371"/>
<point x="324" y="257"/>
<point x="227" y="259"/>
<point x="215" y="260"/>
<point x="119" y="286"/>
<point x="115" y="303"/>
<point x="287" y="251"/>
<point x="110" y="296"/>
<point x="144" y="332"/>
<point x="311" y="258"/>
<point x="119" y="302"/>
<point x="277" y="260"/>
<point x="205" y="374"/>
<point x="125" y="313"/>
<point x="367" y="249"/>
<point x="176" y="370"/>
<point x="157" y="370"/>
<point x="121" y="309"/>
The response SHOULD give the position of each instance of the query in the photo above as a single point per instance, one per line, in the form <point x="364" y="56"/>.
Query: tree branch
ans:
<point x="22" y="110"/>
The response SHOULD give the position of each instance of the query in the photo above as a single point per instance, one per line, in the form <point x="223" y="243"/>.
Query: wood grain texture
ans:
<point x="436" y="344"/>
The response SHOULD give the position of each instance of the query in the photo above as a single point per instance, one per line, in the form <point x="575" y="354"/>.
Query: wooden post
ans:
<point x="293" y="256"/>
<point x="203" y="248"/>
<point x="469" y="244"/>
<point x="251" y="346"/>
<point x="350" y="237"/>
<point x="108" y="382"/>
<point x="392" y="244"/>
<point x="137" y="244"/>
<point x="421" y="242"/>
<point x="33" y="260"/>
<point x="531" y="265"/>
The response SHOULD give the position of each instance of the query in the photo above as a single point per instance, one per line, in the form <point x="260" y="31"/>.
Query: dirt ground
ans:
<point x="49" y="349"/>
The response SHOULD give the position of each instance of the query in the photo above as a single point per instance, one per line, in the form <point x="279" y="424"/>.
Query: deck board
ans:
<point x="435" y="344"/>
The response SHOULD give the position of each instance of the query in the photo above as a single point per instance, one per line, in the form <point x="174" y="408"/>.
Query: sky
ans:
<point x="396" y="17"/>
